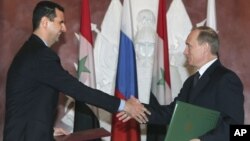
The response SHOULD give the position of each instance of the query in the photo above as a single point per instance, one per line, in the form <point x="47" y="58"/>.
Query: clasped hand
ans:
<point x="134" y="109"/>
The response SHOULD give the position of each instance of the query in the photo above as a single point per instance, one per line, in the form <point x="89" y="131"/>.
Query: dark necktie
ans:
<point x="196" y="78"/>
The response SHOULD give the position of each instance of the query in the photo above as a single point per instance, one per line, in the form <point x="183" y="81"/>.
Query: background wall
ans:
<point x="232" y="19"/>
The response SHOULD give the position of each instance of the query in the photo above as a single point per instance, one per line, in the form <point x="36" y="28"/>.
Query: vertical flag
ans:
<point x="161" y="75"/>
<point x="107" y="47"/>
<point x="211" y="14"/>
<point x="126" y="79"/>
<point x="84" y="117"/>
<point x="106" y="56"/>
<point x="178" y="27"/>
<point x="86" y="72"/>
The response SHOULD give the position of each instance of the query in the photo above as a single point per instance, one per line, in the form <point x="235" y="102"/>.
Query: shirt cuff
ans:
<point x="121" y="106"/>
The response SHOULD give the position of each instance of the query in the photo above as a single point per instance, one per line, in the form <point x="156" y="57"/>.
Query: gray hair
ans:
<point x="208" y="35"/>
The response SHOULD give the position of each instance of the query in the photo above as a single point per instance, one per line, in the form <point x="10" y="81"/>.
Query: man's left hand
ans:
<point x="60" y="131"/>
<point x="134" y="109"/>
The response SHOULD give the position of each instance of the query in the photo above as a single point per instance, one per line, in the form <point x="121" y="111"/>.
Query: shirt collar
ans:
<point x="207" y="65"/>
<point x="41" y="39"/>
<point x="45" y="43"/>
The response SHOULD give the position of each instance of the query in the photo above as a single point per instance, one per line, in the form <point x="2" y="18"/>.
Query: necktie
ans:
<point x="196" y="78"/>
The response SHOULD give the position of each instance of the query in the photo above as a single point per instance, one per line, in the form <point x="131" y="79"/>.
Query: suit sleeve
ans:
<point x="162" y="114"/>
<point x="50" y="72"/>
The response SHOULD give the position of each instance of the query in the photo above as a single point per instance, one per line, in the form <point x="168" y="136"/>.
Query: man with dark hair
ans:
<point x="36" y="76"/>
<point x="216" y="87"/>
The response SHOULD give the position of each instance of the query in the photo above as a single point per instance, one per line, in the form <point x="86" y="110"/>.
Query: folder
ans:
<point x="190" y="121"/>
<point x="85" y="135"/>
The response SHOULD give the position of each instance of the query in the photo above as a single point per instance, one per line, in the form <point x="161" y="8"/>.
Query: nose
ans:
<point x="64" y="29"/>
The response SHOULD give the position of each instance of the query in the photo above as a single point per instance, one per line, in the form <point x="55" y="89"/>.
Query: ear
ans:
<point x="207" y="47"/>
<point x="44" y="22"/>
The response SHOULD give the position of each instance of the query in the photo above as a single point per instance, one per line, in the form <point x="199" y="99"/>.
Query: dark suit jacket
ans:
<point x="218" y="89"/>
<point x="34" y="79"/>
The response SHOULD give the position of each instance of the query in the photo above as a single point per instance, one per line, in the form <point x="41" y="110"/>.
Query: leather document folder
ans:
<point x="190" y="121"/>
<point x="84" y="135"/>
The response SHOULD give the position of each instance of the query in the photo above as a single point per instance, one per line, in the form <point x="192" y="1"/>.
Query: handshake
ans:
<point x="134" y="109"/>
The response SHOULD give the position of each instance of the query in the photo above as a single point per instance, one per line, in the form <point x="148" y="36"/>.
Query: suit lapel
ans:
<point x="197" y="89"/>
<point x="203" y="81"/>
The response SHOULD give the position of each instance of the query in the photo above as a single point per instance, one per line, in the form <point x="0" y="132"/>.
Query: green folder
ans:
<point x="190" y="121"/>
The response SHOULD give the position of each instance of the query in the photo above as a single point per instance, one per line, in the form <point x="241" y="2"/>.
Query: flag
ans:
<point x="161" y="75"/>
<point x="178" y="27"/>
<point x="107" y="47"/>
<point x="126" y="79"/>
<point x="86" y="72"/>
<point x="84" y="117"/>
<point x="106" y="57"/>
<point x="211" y="14"/>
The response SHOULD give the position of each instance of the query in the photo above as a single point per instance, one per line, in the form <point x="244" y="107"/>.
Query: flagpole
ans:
<point x="131" y="17"/>
<point x="211" y="14"/>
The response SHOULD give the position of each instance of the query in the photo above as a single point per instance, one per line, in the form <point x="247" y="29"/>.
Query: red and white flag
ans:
<point x="86" y="71"/>
<point x="161" y="75"/>
<point x="85" y="118"/>
<point x="85" y="66"/>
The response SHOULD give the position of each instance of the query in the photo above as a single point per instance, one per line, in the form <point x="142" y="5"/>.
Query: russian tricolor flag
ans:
<point x="126" y="78"/>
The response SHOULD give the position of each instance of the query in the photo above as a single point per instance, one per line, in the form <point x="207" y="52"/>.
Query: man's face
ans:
<point x="56" y="27"/>
<point x="194" y="51"/>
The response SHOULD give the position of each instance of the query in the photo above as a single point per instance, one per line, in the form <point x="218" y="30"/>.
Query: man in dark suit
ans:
<point x="36" y="76"/>
<point x="217" y="87"/>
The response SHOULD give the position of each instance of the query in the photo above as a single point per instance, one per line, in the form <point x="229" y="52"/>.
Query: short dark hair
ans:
<point x="208" y="35"/>
<point x="44" y="8"/>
